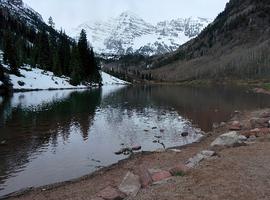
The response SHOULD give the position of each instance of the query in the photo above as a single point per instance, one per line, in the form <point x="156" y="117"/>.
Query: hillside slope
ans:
<point x="235" y="46"/>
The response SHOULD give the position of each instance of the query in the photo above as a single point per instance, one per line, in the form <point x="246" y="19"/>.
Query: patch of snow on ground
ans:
<point x="37" y="79"/>
<point x="1" y="83"/>
<point x="111" y="80"/>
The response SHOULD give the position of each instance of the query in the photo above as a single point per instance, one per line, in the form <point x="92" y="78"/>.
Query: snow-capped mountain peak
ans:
<point x="129" y="33"/>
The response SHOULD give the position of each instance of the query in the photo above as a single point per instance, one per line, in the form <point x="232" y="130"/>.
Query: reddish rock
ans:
<point x="145" y="177"/>
<point x="235" y="126"/>
<point x="256" y="132"/>
<point x="179" y="169"/>
<point x="136" y="148"/>
<point x="110" y="193"/>
<point x="264" y="131"/>
<point x="159" y="176"/>
<point x="250" y="133"/>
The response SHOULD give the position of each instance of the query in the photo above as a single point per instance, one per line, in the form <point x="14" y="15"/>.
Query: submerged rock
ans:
<point x="230" y="139"/>
<point x="136" y="148"/>
<point x="184" y="134"/>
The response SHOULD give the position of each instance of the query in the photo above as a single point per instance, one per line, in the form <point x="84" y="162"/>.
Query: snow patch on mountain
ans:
<point x="128" y="33"/>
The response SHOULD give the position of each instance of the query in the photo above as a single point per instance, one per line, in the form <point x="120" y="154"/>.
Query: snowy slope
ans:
<point x="128" y="33"/>
<point x="111" y="80"/>
<point x="37" y="79"/>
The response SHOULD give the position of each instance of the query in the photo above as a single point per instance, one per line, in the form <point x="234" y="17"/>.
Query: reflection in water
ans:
<point x="53" y="136"/>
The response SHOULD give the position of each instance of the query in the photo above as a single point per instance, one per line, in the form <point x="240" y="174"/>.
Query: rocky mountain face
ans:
<point x="22" y="11"/>
<point x="129" y="34"/>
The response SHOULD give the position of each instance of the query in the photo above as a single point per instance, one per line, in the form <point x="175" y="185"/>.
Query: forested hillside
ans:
<point x="26" y="39"/>
<point x="235" y="46"/>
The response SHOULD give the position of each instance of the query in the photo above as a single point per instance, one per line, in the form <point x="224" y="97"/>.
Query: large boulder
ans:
<point x="130" y="184"/>
<point x="230" y="139"/>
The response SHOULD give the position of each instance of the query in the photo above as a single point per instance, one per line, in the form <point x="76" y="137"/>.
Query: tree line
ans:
<point x="44" y="47"/>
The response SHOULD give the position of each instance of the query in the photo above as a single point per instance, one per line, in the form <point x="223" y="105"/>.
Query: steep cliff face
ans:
<point x="22" y="11"/>
<point x="129" y="33"/>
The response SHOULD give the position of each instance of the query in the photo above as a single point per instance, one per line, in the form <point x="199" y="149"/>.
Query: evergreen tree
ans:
<point x="51" y="22"/>
<point x="10" y="54"/>
<point x="87" y="58"/>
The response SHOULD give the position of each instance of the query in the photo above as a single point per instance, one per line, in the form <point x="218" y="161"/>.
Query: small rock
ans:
<point x="153" y="171"/>
<point x="110" y="193"/>
<point x="179" y="169"/>
<point x="184" y="134"/>
<point x="194" y="161"/>
<point x="252" y="138"/>
<point x="154" y="128"/>
<point x="160" y="150"/>
<point x="263" y="131"/>
<point x="136" y="148"/>
<point x="158" y="136"/>
<point x="175" y="150"/>
<point x="265" y="115"/>
<point x="215" y="125"/>
<point x="130" y="184"/>
<point x="230" y="139"/>
<point x="21" y="83"/>
<point x="259" y="122"/>
<point x="159" y="176"/>
<point x="145" y="177"/>
<point x="3" y="142"/>
<point x="207" y="153"/>
<point x="145" y="130"/>
<point x="222" y="124"/>
<point x="162" y="130"/>
<point x="235" y="126"/>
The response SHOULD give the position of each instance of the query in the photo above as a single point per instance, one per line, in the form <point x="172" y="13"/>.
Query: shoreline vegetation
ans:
<point x="222" y="157"/>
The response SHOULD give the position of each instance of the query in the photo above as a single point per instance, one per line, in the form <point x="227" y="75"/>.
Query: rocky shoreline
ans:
<point x="175" y="172"/>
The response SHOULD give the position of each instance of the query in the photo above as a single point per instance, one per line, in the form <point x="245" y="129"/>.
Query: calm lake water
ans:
<point x="54" y="136"/>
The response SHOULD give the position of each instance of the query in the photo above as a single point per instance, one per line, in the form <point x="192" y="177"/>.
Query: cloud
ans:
<point x="70" y="13"/>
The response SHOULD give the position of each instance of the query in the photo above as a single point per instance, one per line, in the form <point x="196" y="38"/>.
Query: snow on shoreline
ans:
<point x="38" y="79"/>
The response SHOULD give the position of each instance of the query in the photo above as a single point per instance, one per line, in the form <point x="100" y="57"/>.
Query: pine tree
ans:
<point x="10" y="54"/>
<point x="88" y="63"/>
<point x="51" y="22"/>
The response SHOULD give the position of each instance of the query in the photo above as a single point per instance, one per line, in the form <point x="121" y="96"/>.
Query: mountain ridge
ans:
<point x="128" y="33"/>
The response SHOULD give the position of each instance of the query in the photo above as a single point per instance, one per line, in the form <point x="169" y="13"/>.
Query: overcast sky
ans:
<point x="70" y="13"/>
